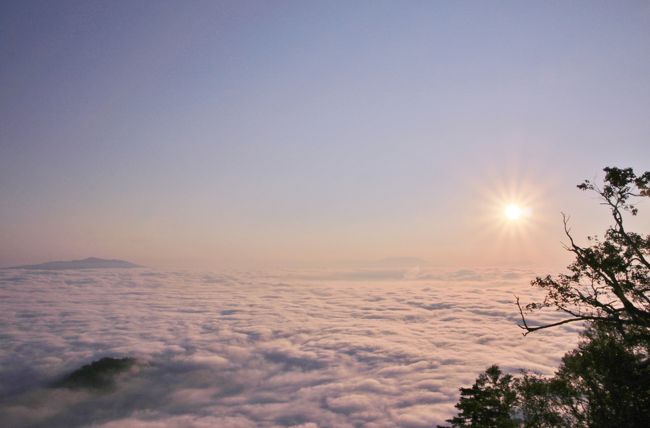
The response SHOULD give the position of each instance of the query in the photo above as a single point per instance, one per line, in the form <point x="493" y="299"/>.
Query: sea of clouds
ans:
<point x="366" y="347"/>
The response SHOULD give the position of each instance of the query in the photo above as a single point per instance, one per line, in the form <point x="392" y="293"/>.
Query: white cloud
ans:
<point x="303" y="349"/>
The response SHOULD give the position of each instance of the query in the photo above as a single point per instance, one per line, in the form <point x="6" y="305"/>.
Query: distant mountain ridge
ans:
<point x="88" y="263"/>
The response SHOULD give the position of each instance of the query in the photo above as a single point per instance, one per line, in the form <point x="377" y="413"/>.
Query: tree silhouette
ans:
<point x="488" y="403"/>
<point x="605" y="382"/>
<point x="609" y="378"/>
<point x="609" y="280"/>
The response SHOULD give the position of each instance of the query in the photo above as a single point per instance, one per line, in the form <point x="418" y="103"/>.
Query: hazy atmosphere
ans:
<point x="314" y="214"/>
<point x="211" y="134"/>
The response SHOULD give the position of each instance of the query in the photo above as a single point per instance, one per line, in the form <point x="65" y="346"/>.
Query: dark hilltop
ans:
<point x="88" y="263"/>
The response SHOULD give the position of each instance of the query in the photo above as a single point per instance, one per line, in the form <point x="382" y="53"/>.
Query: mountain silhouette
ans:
<point x="89" y="263"/>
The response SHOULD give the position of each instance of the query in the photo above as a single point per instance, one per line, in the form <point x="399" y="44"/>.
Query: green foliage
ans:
<point x="605" y="382"/>
<point x="488" y="403"/>
<point x="610" y="376"/>
<point x="609" y="280"/>
<point x="543" y="402"/>
<point x="99" y="374"/>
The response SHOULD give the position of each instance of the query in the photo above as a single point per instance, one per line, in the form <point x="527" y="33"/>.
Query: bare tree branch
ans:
<point x="609" y="279"/>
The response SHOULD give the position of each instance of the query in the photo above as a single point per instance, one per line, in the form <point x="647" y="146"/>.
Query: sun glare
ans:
<point x="515" y="212"/>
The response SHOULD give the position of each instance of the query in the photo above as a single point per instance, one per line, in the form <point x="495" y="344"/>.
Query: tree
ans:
<point x="547" y="402"/>
<point x="609" y="377"/>
<point x="488" y="403"/>
<point x="609" y="280"/>
<point x="605" y="382"/>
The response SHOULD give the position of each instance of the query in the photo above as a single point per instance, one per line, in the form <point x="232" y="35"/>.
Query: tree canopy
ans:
<point x="609" y="279"/>
<point x="605" y="381"/>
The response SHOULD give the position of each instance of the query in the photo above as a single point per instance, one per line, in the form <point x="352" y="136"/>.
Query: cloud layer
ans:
<point x="303" y="349"/>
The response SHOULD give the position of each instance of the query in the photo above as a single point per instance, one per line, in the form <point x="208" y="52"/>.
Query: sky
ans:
<point x="217" y="133"/>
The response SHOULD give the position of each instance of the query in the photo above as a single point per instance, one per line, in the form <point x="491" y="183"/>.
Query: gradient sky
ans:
<point x="212" y="134"/>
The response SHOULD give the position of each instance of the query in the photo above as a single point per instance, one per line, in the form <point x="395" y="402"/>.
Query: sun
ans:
<point x="514" y="212"/>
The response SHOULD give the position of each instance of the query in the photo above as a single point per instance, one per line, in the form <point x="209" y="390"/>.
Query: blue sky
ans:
<point x="252" y="133"/>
